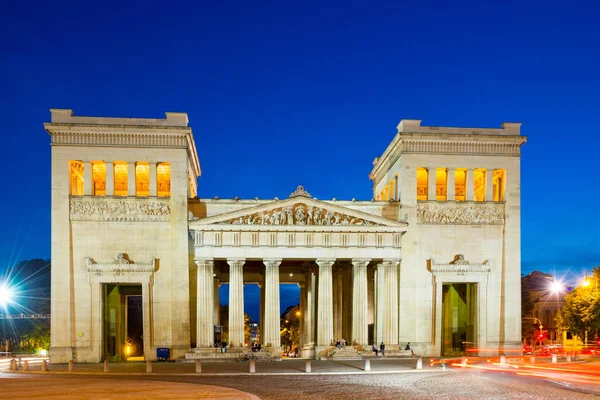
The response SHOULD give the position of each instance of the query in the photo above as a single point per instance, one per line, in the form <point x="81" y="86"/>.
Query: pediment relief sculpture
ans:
<point x="460" y="214"/>
<point x="120" y="265"/>
<point x="298" y="214"/>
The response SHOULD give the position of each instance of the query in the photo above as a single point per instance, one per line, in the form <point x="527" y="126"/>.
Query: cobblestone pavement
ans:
<point x="450" y="384"/>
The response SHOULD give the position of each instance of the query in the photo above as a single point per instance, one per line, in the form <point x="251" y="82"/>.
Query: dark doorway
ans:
<point x="123" y="322"/>
<point x="458" y="318"/>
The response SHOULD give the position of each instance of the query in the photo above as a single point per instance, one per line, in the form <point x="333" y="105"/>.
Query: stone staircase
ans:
<point x="346" y="353"/>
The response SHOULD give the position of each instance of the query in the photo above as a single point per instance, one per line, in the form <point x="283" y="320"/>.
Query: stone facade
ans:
<point x="435" y="254"/>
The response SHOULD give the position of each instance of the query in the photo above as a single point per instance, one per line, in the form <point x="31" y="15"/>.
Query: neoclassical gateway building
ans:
<point x="137" y="257"/>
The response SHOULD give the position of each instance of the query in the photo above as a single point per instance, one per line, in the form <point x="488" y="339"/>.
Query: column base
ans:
<point x="60" y="355"/>
<point x="307" y="352"/>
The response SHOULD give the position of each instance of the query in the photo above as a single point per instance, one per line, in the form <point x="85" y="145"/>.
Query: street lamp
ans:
<point x="557" y="287"/>
<point x="6" y="295"/>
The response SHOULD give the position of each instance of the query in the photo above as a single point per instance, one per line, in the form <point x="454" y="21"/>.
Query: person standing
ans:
<point x="382" y="349"/>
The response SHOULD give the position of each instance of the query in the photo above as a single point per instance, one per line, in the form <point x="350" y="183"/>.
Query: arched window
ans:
<point x="479" y="184"/>
<point x="163" y="178"/>
<point x="142" y="179"/>
<point x="421" y="184"/>
<point x="76" y="178"/>
<point x="120" y="171"/>
<point x="98" y="178"/>
<point x="499" y="184"/>
<point x="460" y="184"/>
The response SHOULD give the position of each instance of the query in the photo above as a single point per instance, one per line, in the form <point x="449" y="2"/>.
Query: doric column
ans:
<point x="370" y="297"/>
<point x="470" y="184"/>
<point x="309" y="313"/>
<point x="338" y="290"/>
<point x="87" y="178"/>
<point x="431" y="183"/>
<point x="236" y="302"/>
<point x="450" y="186"/>
<point x="302" y="310"/>
<point x="110" y="178"/>
<point x="360" y="330"/>
<point x="261" y="319"/>
<point x="152" y="178"/>
<point x="489" y="186"/>
<point x="216" y="302"/>
<point x="205" y="304"/>
<point x="131" y="179"/>
<point x="380" y="303"/>
<point x="325" y="306"/>
<point x="390" y="331"/>
<point x="272" y="324"/>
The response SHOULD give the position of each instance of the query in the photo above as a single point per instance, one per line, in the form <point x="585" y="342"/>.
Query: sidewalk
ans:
<point x="284" y="367"/>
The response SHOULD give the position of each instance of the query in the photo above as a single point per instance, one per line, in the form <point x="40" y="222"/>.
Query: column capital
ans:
<point x="325" y="262"/>
<point x="392" y="262"/>
<point x="205" y="262"/>
<point x="361" y="262"/>
<point x="272" y="263"/>
<point x="236" y="261"/>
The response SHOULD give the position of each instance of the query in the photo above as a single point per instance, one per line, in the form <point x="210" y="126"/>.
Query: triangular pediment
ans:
<point x="298" y="211"/>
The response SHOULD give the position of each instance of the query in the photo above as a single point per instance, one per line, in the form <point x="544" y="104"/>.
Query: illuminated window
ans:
<point x="163" y="179"/>
<point x="479" y="184"/>
<point x="441" y="184"/>
<point x="98" y="178"/>
<point x="392" y="190"/>
<point x="76" y="178"/>
<point x="499" y="184"/>
<point x="120" y="178"/>
<point x="460" y="184"/>
<point x="142" y="179"/>
<point x="421" y="184"/>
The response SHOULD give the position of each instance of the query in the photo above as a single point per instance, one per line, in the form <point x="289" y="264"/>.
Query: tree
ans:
<point x="224" y="318"/>
<point x="581" y="312"/>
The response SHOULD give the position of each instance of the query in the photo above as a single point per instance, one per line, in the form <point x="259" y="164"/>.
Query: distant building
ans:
<point x="547" y="303"/>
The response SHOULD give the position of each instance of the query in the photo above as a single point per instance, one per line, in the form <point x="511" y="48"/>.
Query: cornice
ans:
<point x="448" y="144"/>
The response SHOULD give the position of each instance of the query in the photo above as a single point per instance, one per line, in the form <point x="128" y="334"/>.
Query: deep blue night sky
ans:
<point x="288" y="93"/>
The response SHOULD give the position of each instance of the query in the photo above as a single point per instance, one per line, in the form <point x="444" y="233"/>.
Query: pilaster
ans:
<point x="470" y="184"/>
<point x="110" y="178"/>
<point x="131" y="178"/>
<point x="302" y="338"/>
<point x="87" y="178"/>
<point x="152" y="179"/>
<point x="489" y="187"/>
<point x="450" y="186"/>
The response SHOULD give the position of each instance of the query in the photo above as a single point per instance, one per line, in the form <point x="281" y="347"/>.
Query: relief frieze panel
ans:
<point x="298" y="214"/>
<point x="110" y="209"/>
<point x="470" y="213"/>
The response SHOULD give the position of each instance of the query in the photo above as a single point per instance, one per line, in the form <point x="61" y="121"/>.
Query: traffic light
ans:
<point x="541" y="336"/>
